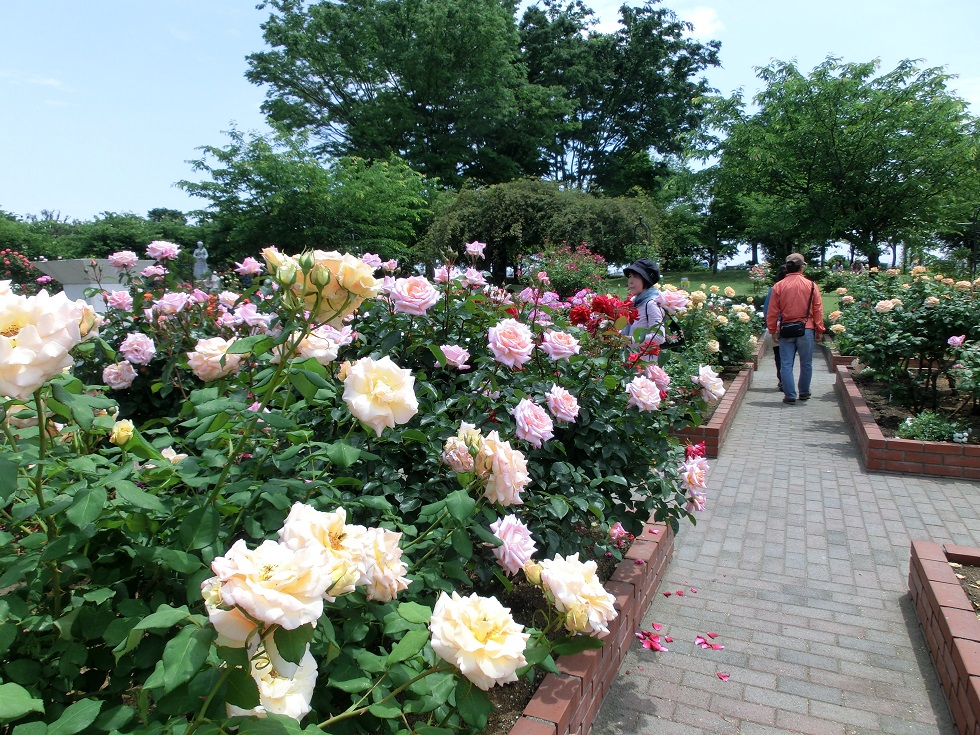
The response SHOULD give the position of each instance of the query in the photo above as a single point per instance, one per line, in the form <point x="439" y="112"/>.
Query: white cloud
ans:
<point x="707" y="24"/>
<point x="19" y="77"/>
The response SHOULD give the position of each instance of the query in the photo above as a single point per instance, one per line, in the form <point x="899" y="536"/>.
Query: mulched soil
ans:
<point x="970" y="580"/>
<point x="889" y="415"/>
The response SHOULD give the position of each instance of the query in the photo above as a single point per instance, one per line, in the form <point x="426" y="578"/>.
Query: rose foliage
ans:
<point x="292" y="506"/>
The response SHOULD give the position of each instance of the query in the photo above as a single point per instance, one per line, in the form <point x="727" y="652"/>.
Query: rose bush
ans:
<point x="899" y="327"/>
<point x="293" y="509"/>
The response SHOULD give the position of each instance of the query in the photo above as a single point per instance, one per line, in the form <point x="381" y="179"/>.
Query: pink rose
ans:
<point x="475" y="248"/>
<point x="390" y="265"/>
<point x="533" y="424"/>
<point x="250" y="315"/>
<point x="659" y="376"/>
<point x="518" y="545"/>
<point x="371" y="259"/>
<point x="119" y="300"/>
<point x="138" y="348"/>
<point x="505" y="470"/>
<point x="445" y="274"/>
<point x="562" y="404"/>
<point x="695" y="501"/>
<point x="171" y="303"/>
<point x="119" y="376"/>
<point x="123" y="260"/>
<point x="456" y="356"/>
<point x="694" y="474"/>
<point x="228" y="298"/>
<point x="162" y="250"/>
<point x="543" y="277"/>
<point x="511" y="343"/>
<point x="413" y="295"/>
<point x="956" y="341"/>
<point x="674" y="301"/>
<point x="153" y="271"/>
<point x="559" y="345"/>
<point x="199" y="297"/>
<point x="616" y="531"/>
<point x="248" y="267"/>
<point x="474" y="278"/>
<point x="643" y="393"/>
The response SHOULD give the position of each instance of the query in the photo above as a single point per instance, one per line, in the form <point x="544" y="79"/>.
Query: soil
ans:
<point x="889" y="414"/>
<point x="970" y="580"/>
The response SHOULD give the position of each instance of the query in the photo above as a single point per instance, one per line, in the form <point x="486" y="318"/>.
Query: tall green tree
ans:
<point x="845" y="154"/>
<point x="634" y="95"/>
<point x="436" y="82"/>
<point x="274" y="190"/>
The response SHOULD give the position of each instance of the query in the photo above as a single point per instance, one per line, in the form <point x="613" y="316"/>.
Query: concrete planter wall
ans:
<point x="950" y="625"/>
<point x="567" y="703"/>
<point x="885" y="454"/>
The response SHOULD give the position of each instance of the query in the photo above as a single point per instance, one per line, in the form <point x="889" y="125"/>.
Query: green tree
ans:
<point x="633" y="94"/>
<point x="274" y="190"/>
<point x="436" y="82"/>
<point x="845" y="155"/>
<point x="520" y="217"/>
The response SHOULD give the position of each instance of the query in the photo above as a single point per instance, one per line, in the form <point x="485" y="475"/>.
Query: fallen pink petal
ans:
<point x="657" y="626"/>
<point x="694" y="590"/>
<point x="654" y="531"/>
<point x="717" y="647"/>
<point x="668" y="639"/>
<point x="701" y="641"/>
<point x="723" y="677"/>
<point x="639" y="561"/>
<point x="668" y="594"/>
<point x="711" y="635"/>
<point x="680" y="593"/>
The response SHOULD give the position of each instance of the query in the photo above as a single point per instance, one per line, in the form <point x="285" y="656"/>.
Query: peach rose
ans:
<point x="511" y="343"/>
<point x="210" y="359"/>
<point x="413" y="295"/>
<point x="562" y="404"/>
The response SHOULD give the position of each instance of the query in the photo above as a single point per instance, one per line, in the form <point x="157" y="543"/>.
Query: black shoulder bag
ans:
<point x="797" y="329"/>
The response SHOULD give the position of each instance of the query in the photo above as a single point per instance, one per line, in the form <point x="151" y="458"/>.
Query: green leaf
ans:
<point x="15" y="702"/>
<point x="81" y="411"/>
<point x="292" y="644"/>
<point x="130" y="493"/>
<point x="413" y="612"/>
<point x="8" y="480"/>
<point x="460" y="505"/>
<point x="269" y="725"/>
<point x="559" y="506"/>
<point x="257" y="343"/>
<point x="76" y="717"/>
<point x="31" y="728"/>
<point x="241" y="689"/>
<point x="87" y="506"/>
<point x="413" y="642"/>
<point x="576" y="644"/>
<point x="185" y="654"/>
<point x="473" y="704"/>
<point x="179" y="561"/>
<point x="164" y="617"/>
<point x="462" y="544"/>
<point x="199" y="528"/>
<point x="343" y="455"/>
<point x="415" y="435"/>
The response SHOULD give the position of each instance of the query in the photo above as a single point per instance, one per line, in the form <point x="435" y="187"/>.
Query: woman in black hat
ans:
<point x="641" y="278"/>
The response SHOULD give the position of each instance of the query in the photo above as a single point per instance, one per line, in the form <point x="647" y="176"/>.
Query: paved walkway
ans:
<point x="802" y="571"/>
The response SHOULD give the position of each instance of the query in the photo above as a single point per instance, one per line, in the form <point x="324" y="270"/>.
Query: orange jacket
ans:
<point x="788" y="304"/>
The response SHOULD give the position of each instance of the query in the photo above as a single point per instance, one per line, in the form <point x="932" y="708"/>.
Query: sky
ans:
<point x="103" y="103"/>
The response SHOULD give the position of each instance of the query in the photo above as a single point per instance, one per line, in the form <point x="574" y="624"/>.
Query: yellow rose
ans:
<point x="714" y="289"/>
<point x="729" y="292"/>
<point x="122" y="432"/>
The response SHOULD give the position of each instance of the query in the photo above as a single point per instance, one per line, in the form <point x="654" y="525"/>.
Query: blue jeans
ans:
<point x="789" y="348"/>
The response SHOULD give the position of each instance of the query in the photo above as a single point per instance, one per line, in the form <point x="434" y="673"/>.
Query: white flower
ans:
<point x="273" y="583"/>
<point x="234" y="629"/>
<point x="505" y="470"/>
<point x="344" y="562"/>
<point x="576" y="590"/>
<point x="380" y="393"/>
<point x="383" y="569"/>
<point x="478" y="636"/>
<point x="712" y="387"/>
<point x="643" y="393"/>
<point x="281" y="695"/>
<point x="883" y="307"/>
<point x="211" y="360"/>
<point x="36" y="335"/>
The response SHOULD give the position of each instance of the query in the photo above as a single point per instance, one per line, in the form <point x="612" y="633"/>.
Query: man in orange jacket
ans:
<point x="795" y="299"/>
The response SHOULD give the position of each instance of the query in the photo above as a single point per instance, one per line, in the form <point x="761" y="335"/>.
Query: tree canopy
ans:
<point x="847" y="155"/>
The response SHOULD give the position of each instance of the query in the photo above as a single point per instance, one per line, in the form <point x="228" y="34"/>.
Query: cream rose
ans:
<point x="643" y="393"/>
<point x="383" y="568"/>
<point x="380" y="394"/>
<point x="305" y="526"/>
<point x="210" y="359"/>
<point x="122" y="432"/>
<point x="280" y="695"/>
<point x="273" y="583"/>
<point x="504" y="469"/>
<point x="575" y="588"/>
<point x="712" y="387"/>
<point x="838" y="328"/>
<point x="457" y="455"/>
<point x="883" y="307"/>
<point x="478" y="636"/>
<point x="234" y="629"/>
<point x="36" y="336"/>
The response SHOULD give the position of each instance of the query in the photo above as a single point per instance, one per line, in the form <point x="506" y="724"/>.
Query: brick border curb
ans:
<point x="833" y="357"/>
<point x="568" y="703"/>
<point x="715" y="431"/>
<point x="950" y="625"/>
<point x="904" y="456"/>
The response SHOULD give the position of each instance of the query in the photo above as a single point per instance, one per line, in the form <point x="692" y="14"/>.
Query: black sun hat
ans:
<point x="645" y="269"/>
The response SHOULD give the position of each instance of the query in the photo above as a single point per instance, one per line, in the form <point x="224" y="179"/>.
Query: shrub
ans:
<point x="569" y="270"/>
<point x="929" y="427"/>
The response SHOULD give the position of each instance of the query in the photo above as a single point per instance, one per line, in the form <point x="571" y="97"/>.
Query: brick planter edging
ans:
<point x="714" y="432"/>
<point x="833" y="357"/>
<point x="950" y="625"/>
<point x="907" y="456"/>
<point x="568" y="703"/>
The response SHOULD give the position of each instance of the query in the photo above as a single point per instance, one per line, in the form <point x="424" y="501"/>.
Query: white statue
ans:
<point x="200" y="260"/>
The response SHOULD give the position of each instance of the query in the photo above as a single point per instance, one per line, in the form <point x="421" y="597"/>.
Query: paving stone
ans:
<point x="803" y="572"/>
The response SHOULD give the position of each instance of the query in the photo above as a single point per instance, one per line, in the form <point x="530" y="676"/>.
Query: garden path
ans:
<point x="800" y="565"/>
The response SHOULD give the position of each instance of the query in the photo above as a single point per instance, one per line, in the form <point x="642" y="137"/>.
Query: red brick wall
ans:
<point x="886" y="454"/>
<point x="950" y="625"/>
<point x="567" y="703"/>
